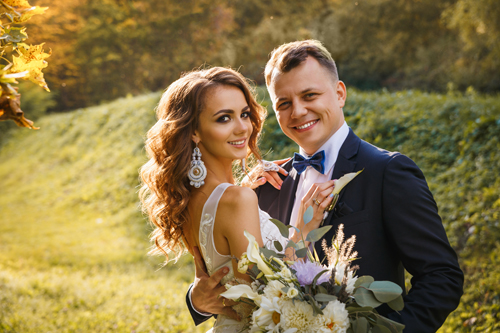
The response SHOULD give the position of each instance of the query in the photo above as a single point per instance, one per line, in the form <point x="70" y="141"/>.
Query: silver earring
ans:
<point x="197" y="172"/>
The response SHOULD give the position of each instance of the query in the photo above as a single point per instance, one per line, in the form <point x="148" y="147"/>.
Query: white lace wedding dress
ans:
<point x="215" y="261"/>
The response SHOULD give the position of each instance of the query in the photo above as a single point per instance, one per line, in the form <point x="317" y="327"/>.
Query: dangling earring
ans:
<point x="197" y="173"/>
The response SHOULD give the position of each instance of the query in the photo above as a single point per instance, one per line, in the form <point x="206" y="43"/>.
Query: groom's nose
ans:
<point x="298" y="110"/>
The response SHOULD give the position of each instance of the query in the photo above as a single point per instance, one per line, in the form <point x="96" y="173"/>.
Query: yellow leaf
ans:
<point x="32" y="59"/>
<point x="24" y="10"/>
<point x="18" y="4"/>
<point x="27" y="14"/>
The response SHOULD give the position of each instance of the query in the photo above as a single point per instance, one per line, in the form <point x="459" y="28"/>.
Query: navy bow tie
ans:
<point x="317" y="161"/>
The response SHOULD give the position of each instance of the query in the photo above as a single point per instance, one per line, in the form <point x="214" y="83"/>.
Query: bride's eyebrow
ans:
<point x="225" y="111"/>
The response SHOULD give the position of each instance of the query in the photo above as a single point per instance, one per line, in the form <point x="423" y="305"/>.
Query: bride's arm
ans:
<point x="238" y="212"/>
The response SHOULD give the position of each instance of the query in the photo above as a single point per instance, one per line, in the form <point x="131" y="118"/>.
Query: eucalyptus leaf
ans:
<point x="268" y="253"/>
<point x="308" y="215"/>
<point x="315" y="280"/>
<point x="322" y="289"/>
<point x="360" y="325"/>
<point x="278" y="245"/>
<point x="301" y="253"/>
<point x="393" y="326"/>
<point x="354" y="309"/>
<point x="385" y="291"/>
<point x="365" y="297"/>
<point x="325" y="298"/>
<point x="316" y="234"/>
<point x="300" y="244"/>
<point x="291" y="244"/>
<point x="397" y="304"/>
<point x="380" y="329"/>
<point x="364" y="279"/>
<point x="282" y="227"/>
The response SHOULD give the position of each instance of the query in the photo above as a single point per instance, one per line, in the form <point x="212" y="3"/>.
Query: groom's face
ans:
<point x="308" y="103"/>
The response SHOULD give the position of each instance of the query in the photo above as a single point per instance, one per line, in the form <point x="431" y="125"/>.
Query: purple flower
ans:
<point x="307" y="271"/>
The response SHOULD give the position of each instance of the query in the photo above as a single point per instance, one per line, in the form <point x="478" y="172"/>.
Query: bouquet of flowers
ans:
<point x="306" y="295"/>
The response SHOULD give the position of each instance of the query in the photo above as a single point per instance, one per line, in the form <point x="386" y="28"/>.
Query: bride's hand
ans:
<point x="261" y="174"/>
<point x="319" y="198"/>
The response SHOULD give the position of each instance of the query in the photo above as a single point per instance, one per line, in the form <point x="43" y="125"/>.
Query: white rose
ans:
<point x="292" y="292"/>
<point x="243" y="265"/>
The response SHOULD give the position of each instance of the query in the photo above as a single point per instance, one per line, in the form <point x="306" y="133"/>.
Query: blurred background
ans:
<point x="423" y="78"/>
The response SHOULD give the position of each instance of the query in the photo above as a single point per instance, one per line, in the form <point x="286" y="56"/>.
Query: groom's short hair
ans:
<point x="288" y="56"/>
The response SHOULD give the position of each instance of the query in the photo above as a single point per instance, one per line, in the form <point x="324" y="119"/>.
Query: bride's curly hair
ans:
<point x="165" y="190"/>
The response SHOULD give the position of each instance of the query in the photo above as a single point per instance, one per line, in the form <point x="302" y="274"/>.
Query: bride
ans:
<point x="208" y="119"/>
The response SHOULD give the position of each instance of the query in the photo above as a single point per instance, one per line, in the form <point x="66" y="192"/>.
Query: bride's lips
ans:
<point x="306" y="126"/>
<point x="238" y="143"/>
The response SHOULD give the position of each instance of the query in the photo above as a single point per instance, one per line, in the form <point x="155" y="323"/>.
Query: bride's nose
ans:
<point x="242" y="126"/>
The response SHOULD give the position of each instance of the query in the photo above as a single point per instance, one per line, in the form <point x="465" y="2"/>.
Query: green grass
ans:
<point x="73" y="243"/>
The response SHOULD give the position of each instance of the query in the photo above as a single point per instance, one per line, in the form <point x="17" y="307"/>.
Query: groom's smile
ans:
<point x="308" y="102"/>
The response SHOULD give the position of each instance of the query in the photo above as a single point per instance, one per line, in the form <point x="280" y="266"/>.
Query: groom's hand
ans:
<point x="258" y="176"/>
<point x="205" y="294"/>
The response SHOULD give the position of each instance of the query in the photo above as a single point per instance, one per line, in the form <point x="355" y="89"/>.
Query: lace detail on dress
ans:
<point x="205" y="223"/>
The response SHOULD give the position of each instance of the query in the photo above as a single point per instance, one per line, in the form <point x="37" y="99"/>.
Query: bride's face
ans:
<point x="224" y="126"/>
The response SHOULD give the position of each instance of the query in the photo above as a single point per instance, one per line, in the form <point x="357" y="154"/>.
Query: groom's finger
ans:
<point x="215" y="278"/>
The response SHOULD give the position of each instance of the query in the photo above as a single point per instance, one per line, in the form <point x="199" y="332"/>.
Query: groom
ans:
<point x="388" y="206"/>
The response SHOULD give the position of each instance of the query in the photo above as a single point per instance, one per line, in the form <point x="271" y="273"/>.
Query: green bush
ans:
<point x="73" y="244"/>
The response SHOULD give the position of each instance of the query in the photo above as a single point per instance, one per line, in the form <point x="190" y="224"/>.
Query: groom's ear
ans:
<point x="341" y="93"/>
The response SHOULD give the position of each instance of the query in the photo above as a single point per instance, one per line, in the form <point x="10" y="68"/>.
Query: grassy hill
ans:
<point x="73" y="243"/>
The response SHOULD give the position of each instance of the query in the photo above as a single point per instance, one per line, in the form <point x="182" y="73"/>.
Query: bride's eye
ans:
<point x="223" y="119"/>
<point x="245" y="114"/>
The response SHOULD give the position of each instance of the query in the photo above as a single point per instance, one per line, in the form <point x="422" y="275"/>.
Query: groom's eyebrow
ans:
<point x="305" y="91"/>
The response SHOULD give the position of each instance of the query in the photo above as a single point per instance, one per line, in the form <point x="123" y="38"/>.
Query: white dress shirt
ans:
<point x="311" y="176"/>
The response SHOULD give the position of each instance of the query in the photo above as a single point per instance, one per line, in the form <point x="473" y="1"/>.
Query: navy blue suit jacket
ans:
<point x="395" y="219"/>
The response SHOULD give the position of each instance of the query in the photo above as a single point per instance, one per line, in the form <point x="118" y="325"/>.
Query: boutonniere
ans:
<point x="339" y="185"/>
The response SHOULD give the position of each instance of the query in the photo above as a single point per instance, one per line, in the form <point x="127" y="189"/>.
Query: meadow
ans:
<point x="73" y="243"/>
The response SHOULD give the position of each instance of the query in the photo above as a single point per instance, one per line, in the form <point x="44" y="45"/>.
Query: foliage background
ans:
<point x="72" y="240"/>
<point x="73" y="243"/>
<point x="110" y="48"/>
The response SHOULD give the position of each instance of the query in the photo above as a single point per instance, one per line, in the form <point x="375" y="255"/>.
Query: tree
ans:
<point x="18" y="59"/>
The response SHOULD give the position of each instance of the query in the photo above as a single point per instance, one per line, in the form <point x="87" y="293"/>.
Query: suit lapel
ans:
<point x="346" y="161"/>
<point x="287" y="197"/>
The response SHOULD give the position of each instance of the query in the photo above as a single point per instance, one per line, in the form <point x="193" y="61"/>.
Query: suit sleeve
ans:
<point x="414" y="227"/>
<point x="198" y="318"/>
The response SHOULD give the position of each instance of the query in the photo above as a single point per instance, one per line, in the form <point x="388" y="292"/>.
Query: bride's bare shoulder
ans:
<point x="235" y="195"/>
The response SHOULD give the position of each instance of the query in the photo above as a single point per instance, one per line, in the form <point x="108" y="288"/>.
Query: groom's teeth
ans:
<point x="237" y="142"/>
<point x="306" y="125"/>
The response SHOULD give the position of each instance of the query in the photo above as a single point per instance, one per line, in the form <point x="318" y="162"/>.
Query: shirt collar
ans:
<point x="331" y="147"/>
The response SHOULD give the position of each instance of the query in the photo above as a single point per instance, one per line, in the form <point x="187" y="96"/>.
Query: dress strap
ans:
<point x="213" y="201"/>
<point x="213" y="259"/>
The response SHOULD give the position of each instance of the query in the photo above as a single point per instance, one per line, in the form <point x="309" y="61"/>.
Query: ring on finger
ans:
<point x="223" y="300"/>
<point x="316" y="201"/>
<point x="269" y="166"/>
